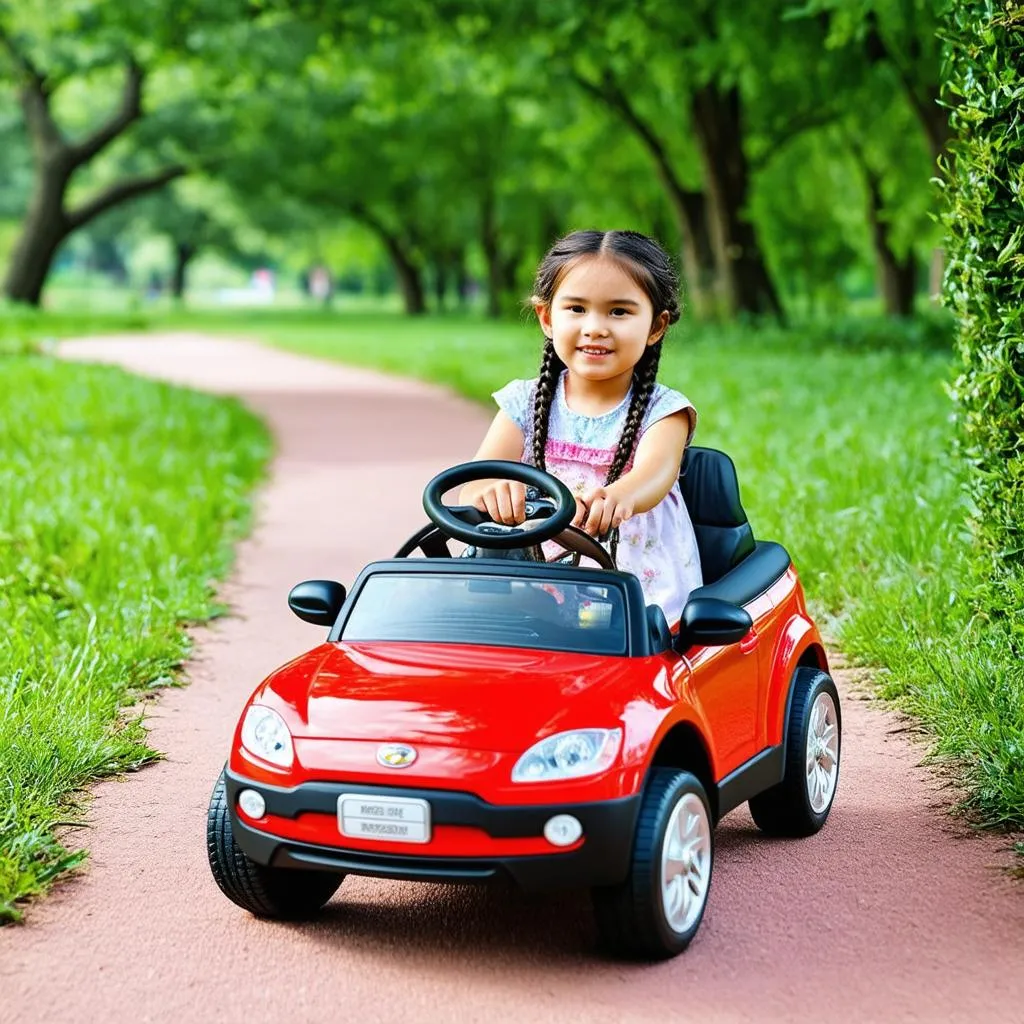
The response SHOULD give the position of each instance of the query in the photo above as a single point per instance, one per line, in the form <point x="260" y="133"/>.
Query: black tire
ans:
<point x="631" y="917"/>
<point x="285" y="893"/>
<point x="785" y="809"/>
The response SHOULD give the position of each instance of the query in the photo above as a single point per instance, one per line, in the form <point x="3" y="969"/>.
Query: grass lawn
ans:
<point x="120" y="498"/>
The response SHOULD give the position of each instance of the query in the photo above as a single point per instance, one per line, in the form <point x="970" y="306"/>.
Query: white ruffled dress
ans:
<point x="659" y="547"/>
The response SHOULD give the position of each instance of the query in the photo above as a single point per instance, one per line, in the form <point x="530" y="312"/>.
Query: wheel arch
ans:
<point x="798" y="646"/>
<point x="813" y="656"/>
<point x="683" y="747"/>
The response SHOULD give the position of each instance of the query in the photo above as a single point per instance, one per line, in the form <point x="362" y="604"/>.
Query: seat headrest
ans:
<point x="710" y="488"/>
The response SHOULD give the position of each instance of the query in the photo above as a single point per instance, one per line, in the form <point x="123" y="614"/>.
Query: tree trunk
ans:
<point x="492" y="253"/>
<point x="440" y="281"/>
<point x="745" y="283"/>
<point x="410" y="281"/>
<point x="443" y="265"/>
<point x="896" y="277"/>
<point x="550" y="228"/>
<point x="700" y="270"/>
<point x="509" y="267"/>
<point x="183" y="253"/>
<point x="410" y="277"/>
<point x="42" y="232"/>
<point x="462" y="283"/>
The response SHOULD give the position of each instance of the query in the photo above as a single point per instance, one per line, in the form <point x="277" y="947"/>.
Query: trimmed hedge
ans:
<point x="985" y="277"/>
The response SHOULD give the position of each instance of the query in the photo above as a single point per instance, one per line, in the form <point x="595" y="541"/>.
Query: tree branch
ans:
<point x="25" y="67"/>
<point x="35" y="98"/>
<point x="361" y="212"/>
<point x="610" y="93"/>
<point x="121" y="191"/>
<point x="129" y="112"/>
<point x="691" y="204"/>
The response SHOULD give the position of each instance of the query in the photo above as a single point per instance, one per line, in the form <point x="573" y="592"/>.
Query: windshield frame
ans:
<point x="628" y="585"/>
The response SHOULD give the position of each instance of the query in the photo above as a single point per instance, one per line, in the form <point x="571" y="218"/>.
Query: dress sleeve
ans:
<point x="665" y="402"/>
<point x="514" y="401"/>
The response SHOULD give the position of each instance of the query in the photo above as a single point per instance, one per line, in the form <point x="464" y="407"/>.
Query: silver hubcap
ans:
<point x="686" y="863"/>
<point x="822" y="752"/>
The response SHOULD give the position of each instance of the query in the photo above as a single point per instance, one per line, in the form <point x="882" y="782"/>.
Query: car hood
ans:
<point x="484" y="698"/>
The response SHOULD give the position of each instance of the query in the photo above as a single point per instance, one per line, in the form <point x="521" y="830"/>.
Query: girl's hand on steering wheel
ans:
<point x="605" y="510"/>
<point x="503" y="500"/>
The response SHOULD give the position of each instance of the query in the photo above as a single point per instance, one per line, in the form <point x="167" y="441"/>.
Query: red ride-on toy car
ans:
<point x="496" y="714"/>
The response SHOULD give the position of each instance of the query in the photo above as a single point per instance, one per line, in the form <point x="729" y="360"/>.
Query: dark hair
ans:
<point x="649" y="266"/>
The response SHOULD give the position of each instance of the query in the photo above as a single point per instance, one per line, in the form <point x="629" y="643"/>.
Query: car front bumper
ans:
<point x="602" y="857"/>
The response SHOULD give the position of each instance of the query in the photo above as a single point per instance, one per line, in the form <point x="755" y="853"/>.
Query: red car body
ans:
<point x="470" y="711"/>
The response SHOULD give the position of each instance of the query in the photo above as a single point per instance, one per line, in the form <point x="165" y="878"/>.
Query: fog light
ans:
<point x="253" y="804"/>
<point x="562" y="830"/>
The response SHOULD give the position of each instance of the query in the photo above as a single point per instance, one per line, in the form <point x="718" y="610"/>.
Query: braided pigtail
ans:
<point x="551" y="368"/>
<point x="644" y="376"/>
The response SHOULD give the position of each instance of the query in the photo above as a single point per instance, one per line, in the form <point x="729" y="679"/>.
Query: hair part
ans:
<point x="650" y="267"/>
<point x="640" y="257"/>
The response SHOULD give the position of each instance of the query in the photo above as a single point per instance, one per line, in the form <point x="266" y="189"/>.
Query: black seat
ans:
<point x="711" y="491"/>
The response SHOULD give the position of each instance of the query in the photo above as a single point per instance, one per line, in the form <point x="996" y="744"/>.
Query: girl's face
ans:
<point x="600" y="320"/>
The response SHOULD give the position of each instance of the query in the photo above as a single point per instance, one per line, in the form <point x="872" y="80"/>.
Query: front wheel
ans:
<point x="799" y="804"/>
<point x="286" y="893"/>
<point x="655" y="913"/>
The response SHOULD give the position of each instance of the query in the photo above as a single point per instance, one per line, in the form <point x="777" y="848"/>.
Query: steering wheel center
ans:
<point x="470" y="525"/>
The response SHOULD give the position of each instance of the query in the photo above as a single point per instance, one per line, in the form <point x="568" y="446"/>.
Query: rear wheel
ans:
<point x="286" y="893"/>
<point x="655" y="913"/>
<point x="800" y="803"/>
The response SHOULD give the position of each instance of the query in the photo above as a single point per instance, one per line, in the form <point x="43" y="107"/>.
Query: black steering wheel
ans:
<point x="470" y="525"/>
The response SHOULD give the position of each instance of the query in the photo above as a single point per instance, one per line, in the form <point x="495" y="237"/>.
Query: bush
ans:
<point x="985" y="275"/>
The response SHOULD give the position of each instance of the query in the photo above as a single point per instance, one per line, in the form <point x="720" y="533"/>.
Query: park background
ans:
<point x="375" y="183"/>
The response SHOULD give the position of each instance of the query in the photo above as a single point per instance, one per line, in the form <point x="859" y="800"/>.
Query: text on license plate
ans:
<point x="399" y="819"/>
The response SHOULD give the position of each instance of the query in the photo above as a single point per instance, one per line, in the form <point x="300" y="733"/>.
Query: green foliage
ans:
<point x="456" y="131"/>
<point x="120" y="496"/>
<point x="985" y="278"/>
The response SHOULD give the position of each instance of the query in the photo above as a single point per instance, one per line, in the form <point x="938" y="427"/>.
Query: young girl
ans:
<point x="596" y="418"/>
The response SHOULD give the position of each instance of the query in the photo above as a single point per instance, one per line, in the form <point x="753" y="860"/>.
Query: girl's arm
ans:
<point x="503" y="500"/>
<point x="656" y="464"/>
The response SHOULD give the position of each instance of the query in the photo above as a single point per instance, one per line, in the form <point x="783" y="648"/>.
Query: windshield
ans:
<point x="490" y="610"/>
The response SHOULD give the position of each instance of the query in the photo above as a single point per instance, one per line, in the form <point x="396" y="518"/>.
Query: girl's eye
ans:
<point x="620" y="311"/>
<point x="575" y="308"/>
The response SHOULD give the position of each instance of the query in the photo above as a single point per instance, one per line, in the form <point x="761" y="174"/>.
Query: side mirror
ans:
<point x="711" y="622"/>
<point x="317" y="601"/>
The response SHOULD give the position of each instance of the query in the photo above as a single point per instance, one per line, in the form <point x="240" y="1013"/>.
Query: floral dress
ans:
<point x="659" y="546"/>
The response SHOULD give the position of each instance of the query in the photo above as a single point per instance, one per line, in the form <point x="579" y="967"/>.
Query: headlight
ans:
<point x="265" y="735"/>
<point x="568" y="755"/>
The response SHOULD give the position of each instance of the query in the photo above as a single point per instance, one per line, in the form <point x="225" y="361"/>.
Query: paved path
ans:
<point x="892" y="913"/>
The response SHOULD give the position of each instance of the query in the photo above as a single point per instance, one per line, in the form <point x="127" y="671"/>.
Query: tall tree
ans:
<point x="679" y="77"/>
<point x="899" y="50"/>
<point x="166" y="60"/>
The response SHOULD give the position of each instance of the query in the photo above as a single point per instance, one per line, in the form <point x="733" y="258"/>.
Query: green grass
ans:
<point x="120" y="498"/>
<point x="24" y="330"/>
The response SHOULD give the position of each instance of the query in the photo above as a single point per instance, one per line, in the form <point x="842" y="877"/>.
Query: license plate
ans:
<point x="398" y="819"/>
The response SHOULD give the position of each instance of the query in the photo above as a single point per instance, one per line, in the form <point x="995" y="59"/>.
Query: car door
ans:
<point x="727" y="683"/>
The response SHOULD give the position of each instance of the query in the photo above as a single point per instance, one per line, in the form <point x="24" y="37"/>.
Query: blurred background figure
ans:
<point x="320" y="285"/>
